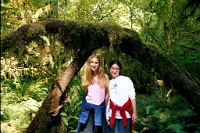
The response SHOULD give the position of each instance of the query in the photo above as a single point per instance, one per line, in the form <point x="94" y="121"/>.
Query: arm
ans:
<point x="85" y="89"/>
<point x="84" y="85"/>
<point x="134" y="115"/>
<point x="107" y="113"/>
<point x="107" y="95"/>
<point x="132" y="94"/>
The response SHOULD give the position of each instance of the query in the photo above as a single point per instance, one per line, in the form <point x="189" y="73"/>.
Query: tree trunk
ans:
<point x="150" y="56"/>
<point x="48" y="119"/>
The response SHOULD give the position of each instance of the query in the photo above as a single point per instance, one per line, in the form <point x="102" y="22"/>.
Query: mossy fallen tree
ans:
<point x="85" y="37"/>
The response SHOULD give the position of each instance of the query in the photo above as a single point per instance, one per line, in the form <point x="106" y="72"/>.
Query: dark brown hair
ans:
<point x="117" y="62"/>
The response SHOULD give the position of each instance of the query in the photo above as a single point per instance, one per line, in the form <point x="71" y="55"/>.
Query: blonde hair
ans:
<point x="88" y="77"/>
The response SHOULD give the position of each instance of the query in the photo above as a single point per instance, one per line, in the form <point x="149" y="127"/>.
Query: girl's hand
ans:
<point x="108" y="122"/>
<point x="134" y="118"/>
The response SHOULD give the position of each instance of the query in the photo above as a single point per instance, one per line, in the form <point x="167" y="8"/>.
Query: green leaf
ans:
<point x="176" y="127"/>
<point x="45" y="39"/>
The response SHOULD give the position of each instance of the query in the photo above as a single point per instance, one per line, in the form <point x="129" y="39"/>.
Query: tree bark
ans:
<point x="47" y="119"/>
<point x="150" y="56"/>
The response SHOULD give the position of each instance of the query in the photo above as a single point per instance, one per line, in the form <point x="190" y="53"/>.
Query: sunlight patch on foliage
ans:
<point x="20" y="115"/>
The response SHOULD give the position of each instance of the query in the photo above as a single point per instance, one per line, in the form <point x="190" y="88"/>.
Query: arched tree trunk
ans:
<point x="48" y="119"/>
<point x="86" y="37"/>
<point x="150" y="55"/>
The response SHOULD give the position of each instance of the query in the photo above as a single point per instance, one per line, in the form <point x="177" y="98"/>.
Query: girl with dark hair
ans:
<point x="121" y="110"/>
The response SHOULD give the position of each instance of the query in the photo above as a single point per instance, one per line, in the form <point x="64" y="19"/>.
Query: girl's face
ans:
<point x="114" y="71"/>
<point x="94" y="64"/>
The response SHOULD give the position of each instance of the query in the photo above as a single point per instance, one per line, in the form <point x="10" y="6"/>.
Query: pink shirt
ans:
<point x="96" y="93"/>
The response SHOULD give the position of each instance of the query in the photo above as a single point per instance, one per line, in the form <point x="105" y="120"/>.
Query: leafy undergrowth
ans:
<point x="21" y="99"/>
<point x="16" y="117"/>
<point x="159" y="114"/>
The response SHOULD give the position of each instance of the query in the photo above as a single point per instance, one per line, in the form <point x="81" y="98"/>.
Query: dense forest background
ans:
<point x="28" y="72"/>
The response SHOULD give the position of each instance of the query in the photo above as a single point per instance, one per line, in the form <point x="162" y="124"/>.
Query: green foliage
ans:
<point x="20" y="101"/>
<point x="5" y="116"/>
<point x="156" y="113"/>
<point x="18" y="115"/>
<point x="192" y="57"/>
<point x="177" y="128"/>
<point x="174" y="27"/>
<point x="72" y="109"/>
<point x="163" y="115"/>
<point x="23" y="88"/>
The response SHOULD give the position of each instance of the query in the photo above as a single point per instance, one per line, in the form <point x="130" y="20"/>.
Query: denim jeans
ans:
<point x="91" y="128"/>
<point x="119" y="126"/>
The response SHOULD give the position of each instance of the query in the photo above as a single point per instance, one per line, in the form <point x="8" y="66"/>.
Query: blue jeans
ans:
<point x="91" y="128"/>
<point x="119" y="126"/>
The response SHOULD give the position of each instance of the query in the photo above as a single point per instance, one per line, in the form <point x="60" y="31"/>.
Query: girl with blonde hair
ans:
<point x="95" y="82"/>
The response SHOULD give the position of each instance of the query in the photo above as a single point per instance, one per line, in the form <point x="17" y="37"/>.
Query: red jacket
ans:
<point x="122" y="109"/>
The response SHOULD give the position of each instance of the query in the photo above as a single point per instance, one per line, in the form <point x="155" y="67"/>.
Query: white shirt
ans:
<point x="121" y="89"/>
